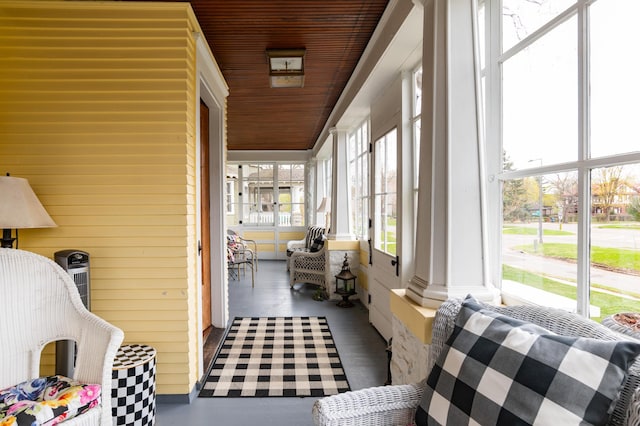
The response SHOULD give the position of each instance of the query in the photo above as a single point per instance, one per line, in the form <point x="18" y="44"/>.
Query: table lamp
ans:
<point x="20" y="209"/>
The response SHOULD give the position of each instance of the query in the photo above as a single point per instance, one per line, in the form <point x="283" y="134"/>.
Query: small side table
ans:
<point x="133" y="386"/>
<point x="625" y="322"/>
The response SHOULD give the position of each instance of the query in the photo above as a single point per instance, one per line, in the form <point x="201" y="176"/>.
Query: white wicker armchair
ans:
<point x="42" y="305"/>
<point x="396" y="405"/>
<point x="306" y="265"/>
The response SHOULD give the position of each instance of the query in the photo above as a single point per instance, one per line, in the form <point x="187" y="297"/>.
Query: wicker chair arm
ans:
<point x="382" y="405"/>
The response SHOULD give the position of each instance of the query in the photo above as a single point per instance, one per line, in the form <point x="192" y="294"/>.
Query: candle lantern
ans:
<point x="345" y="284"/>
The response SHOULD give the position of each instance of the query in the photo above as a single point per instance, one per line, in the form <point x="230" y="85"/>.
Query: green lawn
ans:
<point x="523" y="230"/>
<point x="609" y="304"/>
<point x="612" y="258"/>
<point x="620" y="226"/>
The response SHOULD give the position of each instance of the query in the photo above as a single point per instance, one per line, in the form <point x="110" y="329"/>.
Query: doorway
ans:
<point x="385" y="259"/>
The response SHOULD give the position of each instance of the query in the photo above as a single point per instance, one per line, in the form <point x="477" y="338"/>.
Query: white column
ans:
<point x="451" y="245"/>
<point x="339" y="223"/>
<point x="311" y="170"/>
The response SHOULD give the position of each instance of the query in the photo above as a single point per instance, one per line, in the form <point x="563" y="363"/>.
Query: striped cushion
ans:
<point x="312" y="233"/>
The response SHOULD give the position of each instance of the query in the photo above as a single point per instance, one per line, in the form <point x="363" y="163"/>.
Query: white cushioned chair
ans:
<point x="41" y="304"/>
<point x="397" y="405"/>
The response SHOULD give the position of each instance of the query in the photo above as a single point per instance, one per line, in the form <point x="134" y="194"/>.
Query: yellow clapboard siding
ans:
<point x="153" y="337"/>
<point x="126" y="317"/>
<point x="141" y="220"/>
<point x="363" y="279"/>
<point x="166" y="385"/>
<point x="87" y="106"/>
<point x="152" y="326"/>
<point x="137" y="210"/>
<point x="167" y="357"/>
<point x="176" y="368"/>
<point x="266" y="248"/>
<point x="291" y="235"/>
<point x="98" y="111"/>
<point x="150" y="295"/>
<point x="258" y="235"/>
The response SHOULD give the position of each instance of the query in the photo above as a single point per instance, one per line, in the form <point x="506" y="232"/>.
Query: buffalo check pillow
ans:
<point x="496" y="370"/>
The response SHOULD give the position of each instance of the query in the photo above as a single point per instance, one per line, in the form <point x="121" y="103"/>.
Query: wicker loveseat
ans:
<point x="396" y="405"/>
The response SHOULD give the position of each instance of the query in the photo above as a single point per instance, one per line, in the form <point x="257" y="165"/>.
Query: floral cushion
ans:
<point x="46" y="401"/>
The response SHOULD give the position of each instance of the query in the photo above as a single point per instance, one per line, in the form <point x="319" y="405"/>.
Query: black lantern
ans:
<point x="345" y="284"/>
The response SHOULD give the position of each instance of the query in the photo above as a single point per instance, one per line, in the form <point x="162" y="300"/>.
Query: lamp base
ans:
<point x="345" y="302"/>
<point x="7" y="239"/>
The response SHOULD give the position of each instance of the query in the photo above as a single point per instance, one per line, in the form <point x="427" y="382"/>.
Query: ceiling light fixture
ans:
<point x="286" y="67"/>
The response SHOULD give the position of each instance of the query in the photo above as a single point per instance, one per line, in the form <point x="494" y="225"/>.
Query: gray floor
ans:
<point x="362" y="351"/>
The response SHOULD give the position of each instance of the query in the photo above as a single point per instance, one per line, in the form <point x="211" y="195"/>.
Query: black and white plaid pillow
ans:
<point x="317" y="244"/>
<point x="496" y="370"/>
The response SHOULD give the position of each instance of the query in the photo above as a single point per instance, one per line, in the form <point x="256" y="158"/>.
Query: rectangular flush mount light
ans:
<point x="286" y="67"/>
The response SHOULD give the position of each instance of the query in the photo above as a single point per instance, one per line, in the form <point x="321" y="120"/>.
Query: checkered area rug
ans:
<point x="276" y="356"/>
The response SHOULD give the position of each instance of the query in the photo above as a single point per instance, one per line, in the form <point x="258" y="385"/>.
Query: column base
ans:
<point x="432" y="295"/>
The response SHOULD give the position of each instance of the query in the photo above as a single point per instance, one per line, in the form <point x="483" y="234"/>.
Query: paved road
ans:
<point x="620" y="238"/>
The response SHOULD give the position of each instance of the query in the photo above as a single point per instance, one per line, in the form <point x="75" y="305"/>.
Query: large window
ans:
<point x="257" y="196"/>
<point x="562" y="96"/>
<point x="359" y="181"/>
<point x="385" y="192"/>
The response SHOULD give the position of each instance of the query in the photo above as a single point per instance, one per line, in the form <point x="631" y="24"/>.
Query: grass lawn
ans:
<point x="620" y="226"/>
<point x="606" y="257"/>
<point x="523" y="230"/>
<point x="609" y="304"/>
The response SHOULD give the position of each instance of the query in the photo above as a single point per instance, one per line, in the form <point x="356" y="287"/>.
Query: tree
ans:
<point x="607" y="183"/>
<point x="565" y="188"/>
<point x="514" y="195"/>
<point x="634" y="208"/>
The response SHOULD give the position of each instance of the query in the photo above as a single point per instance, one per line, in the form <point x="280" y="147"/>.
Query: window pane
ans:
<point x="232" y="200"/>
<point x="521" y="18"/>
<point x="257" y="194"/>
<point x="615" y="88"/>
<point x="615" y="240"/>
<point x="291" y="195"/>
<point x="539" y="239"/>
<point x="385" y="175"/>
<point x="417" y="92"/>
<point x="540" y="100"/>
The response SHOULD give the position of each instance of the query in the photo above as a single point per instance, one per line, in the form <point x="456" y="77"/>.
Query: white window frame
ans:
<point x="583" y="165"/>
<point x="359" y="154"/>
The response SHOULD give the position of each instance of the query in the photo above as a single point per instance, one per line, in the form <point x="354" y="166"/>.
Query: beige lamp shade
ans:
<point x="20" y="207"/>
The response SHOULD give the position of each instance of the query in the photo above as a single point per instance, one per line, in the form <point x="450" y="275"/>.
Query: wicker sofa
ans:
<point x="396" y="405"/>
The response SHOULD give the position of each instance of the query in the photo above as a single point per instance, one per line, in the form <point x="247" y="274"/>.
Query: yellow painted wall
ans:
<point x="97" y="111"/>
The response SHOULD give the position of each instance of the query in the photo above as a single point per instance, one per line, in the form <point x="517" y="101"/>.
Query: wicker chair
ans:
<point x="42" y="305"/>
<point x="396" y="405"/>
<point x="305" y="264"/>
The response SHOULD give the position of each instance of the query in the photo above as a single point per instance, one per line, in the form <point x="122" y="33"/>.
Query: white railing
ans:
<point x="266" y="218"/>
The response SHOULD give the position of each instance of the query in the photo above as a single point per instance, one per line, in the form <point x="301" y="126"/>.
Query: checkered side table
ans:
<point x="133" y="386"/>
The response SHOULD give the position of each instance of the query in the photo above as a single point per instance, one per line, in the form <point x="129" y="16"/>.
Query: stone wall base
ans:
<point x="410" y="356"/>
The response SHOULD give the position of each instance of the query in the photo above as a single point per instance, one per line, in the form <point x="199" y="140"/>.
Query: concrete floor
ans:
<point x="362" y="351"/>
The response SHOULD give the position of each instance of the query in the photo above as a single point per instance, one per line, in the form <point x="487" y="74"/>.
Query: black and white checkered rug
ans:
<point x="276" y="356"/>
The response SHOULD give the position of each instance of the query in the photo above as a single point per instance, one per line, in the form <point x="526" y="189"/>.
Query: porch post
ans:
<point x="451" y="239"/>
<point x="339" y="219"/>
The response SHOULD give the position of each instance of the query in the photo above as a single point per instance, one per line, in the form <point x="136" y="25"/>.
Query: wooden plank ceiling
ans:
<point x="334" y="34"/>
